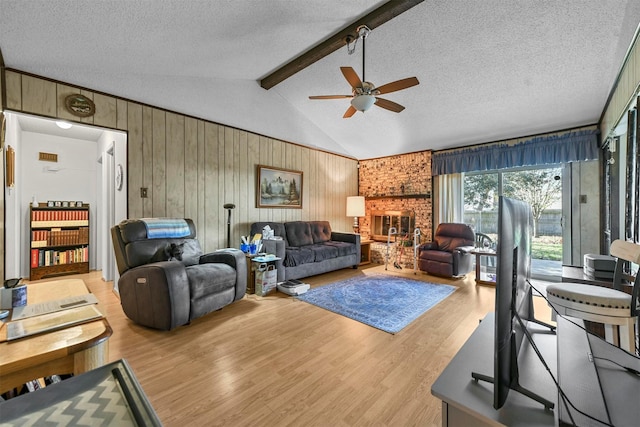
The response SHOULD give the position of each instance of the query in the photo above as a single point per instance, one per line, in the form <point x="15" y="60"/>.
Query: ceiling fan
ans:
<point x="365" y="94"/>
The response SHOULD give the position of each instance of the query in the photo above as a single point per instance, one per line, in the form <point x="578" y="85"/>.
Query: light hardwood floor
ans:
<point x="276" y="361"/>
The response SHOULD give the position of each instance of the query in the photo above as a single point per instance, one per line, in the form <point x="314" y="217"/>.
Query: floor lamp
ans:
<point x="355" y="208"/>
<point x="228" y="207"/>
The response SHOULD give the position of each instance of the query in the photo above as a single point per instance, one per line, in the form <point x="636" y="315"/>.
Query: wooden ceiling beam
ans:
<point x="384" y="13"/>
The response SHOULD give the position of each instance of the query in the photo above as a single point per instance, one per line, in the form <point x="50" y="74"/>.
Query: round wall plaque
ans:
<point x="80" y="105"/>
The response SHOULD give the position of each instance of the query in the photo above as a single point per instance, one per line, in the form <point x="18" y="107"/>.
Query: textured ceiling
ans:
<point x="488" y="70"/>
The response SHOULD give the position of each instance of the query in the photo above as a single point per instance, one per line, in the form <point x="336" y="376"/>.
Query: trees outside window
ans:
<point x="540" y="188"/>
<point x="480" y="200"/>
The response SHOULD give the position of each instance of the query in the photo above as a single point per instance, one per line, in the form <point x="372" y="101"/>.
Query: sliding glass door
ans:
<point x="539" y="187"/>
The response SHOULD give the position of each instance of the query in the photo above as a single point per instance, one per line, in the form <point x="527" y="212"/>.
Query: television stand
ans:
<point x="517" y="387"/>
<point x="587" y="374"/>
<point x="466" y="401"/>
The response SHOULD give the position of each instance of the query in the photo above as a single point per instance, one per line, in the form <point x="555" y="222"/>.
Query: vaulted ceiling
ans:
<point x="488" y="70"/>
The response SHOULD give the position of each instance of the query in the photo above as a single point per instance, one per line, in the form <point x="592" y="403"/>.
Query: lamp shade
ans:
<point x="363" y="102"/>
<point x="355" y="206"/>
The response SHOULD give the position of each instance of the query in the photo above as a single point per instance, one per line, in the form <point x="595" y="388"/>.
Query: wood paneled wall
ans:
<point x="624" y="92"/>
<point x="192" y="167"/>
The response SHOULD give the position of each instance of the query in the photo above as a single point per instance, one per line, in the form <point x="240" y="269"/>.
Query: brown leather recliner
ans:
<point x="166" y="281"/>
<point x="449" y="255"/>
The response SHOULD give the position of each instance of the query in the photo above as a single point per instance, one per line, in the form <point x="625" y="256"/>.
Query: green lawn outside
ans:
<point x="544" y="247"/>
<point x="547" y="248"/>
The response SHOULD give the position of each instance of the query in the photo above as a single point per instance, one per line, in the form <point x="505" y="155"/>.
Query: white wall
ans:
<point x="75" y="179"/>
<point x="111" y="206"/>
<point x="12" y="207"/>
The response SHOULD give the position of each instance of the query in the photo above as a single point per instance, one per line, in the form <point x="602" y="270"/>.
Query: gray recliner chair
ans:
<point x="165" y="279"/>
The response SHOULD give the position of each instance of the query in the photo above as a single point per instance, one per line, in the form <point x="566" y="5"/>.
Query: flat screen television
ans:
<point x="514" y="300"/>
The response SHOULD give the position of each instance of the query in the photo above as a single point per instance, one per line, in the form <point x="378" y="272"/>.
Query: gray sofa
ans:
<point x="166" y="282"/>
<point x="308" y="248"/>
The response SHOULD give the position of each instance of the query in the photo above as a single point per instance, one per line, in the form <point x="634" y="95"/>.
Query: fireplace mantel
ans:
<point x="400" y="196"/>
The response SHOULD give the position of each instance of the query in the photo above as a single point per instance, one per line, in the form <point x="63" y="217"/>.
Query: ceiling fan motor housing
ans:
<point x="367" y="88"/>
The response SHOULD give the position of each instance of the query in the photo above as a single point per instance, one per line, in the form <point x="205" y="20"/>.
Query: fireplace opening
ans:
<point x="382" y="221"/>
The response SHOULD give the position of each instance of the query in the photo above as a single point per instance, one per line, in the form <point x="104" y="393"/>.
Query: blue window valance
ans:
<point x="565" y="147"/>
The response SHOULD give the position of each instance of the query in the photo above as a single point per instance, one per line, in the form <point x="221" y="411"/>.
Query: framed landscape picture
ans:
<point x="278" y="188"/>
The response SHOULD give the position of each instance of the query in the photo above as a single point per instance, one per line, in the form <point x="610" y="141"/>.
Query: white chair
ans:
<point x="612" y="307"/>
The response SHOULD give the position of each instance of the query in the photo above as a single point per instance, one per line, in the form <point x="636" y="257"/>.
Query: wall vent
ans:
<point x="48" y="157"/>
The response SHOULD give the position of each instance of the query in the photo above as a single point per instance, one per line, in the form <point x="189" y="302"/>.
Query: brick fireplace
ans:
<point x="396" y="188"/>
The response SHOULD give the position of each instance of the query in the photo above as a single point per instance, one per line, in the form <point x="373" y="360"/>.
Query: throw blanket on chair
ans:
<point x="160" y="228"/>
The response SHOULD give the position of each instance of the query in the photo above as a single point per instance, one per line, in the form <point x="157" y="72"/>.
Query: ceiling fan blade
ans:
<point x="350" y="112"/>
<point x="330" y="96"/>
<point x="389" y="105"/>
<point x="397" y="85"/>
<point x="351" y="76"/>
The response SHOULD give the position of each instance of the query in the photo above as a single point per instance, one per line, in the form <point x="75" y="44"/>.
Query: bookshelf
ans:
<point x="59" y="241"/>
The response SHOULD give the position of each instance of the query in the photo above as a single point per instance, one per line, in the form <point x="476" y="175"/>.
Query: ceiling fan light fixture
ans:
<point x="363" y="102"/>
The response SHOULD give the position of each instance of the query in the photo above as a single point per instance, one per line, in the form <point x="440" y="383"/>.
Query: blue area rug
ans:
<point x="385" y="302"/>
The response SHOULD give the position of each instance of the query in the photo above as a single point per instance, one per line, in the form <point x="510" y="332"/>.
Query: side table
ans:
<point x="483" y="277"/>
<point x="365" y="252"/>
<point x="251" y="274"/>
<point x="75" y="349"/>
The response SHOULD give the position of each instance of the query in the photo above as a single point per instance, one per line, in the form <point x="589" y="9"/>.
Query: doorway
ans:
<point x="542" y="189"/>
<point x="74" y="175"/>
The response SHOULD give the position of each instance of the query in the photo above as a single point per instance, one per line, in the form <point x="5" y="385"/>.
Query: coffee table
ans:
<point x="76" y="349"/>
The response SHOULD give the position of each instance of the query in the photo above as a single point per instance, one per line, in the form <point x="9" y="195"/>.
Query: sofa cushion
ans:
<point x="211" y="278"/>
<point x="191" y="252"/>
<point x="297" y="256"/>
<point x="320" y="231"/>
<point x="322" y="251"/>
<point x="298" y="233"/>
<point x="344" y="248"/>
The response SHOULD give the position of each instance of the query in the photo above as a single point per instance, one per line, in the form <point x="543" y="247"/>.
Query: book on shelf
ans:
<point x="48" y="257"/>
<point x="34" y="257"/>
<point x="59" y="215"/>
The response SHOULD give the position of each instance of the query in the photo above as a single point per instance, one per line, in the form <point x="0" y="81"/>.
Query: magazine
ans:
<point x="52" y="321"/>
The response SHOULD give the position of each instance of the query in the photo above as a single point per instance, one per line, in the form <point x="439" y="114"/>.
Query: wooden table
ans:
<point x="76" y="349"/>
<point x="480" y="279"/>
